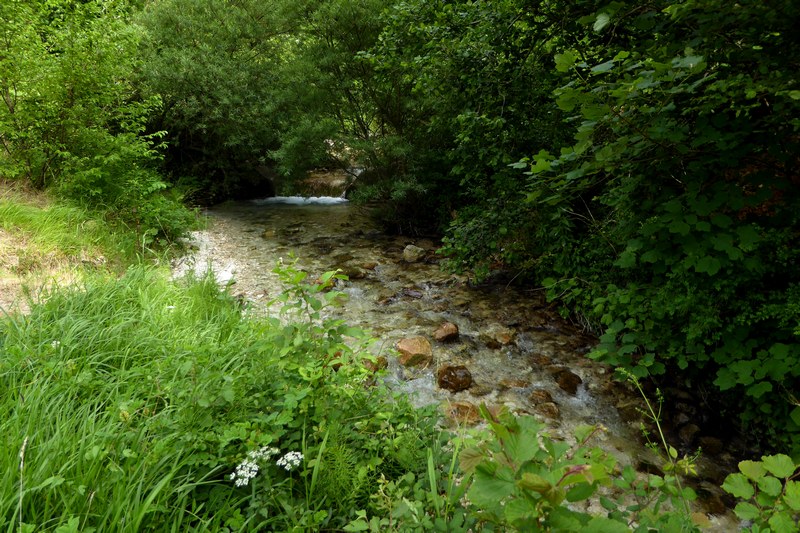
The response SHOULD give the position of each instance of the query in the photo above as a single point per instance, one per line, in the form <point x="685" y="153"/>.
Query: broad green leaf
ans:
<point x="791" y="495"/>
<point x="598" y="524"/>
<point x="518" y="510"/>
<point x="708" y="264"/>
<point x="752" y="469"/>
<point x="770" y="486"/>
<point x="602" y="21"/>
<point x="489" y="488"/>
<point x="603" y="67"/>
<point x="565" y="61"/>
<point x="759" y="389"/>
<point x="739" y="486"/>
<point x="579" y="492"/>
<point x="469" y="458"/>
<point x="779" y="465"/>
<point x="746" y="511"/>
<point x="782" y="521"/>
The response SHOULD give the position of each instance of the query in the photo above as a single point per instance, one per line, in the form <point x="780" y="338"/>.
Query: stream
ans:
<point x="515" y="350"/>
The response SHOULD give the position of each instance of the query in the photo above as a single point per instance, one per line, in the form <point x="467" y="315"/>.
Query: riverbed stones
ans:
<point x="496" y="335"/>
<point x="462" y="413"/>
<point x="539" y="396"/>
<point x="568" y="380"/>
<point x="548" y="410"/>
<point x="454" y="378"/>
<point x="412" y="254"/>
<point x="414" y="351"/>
<point x="446" y="332"/>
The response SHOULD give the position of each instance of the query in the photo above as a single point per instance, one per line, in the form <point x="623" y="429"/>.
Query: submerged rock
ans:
<point x="454" y="378"/>
<point x="497" y="335"/>
<point x="415" y="351"/>
<point x="446" y="332"/>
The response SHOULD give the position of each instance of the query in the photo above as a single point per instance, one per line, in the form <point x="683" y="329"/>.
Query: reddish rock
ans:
<point x="454" y="378"/>
<point x="548" y="410"/>
<point x="513" y="383"/>
<point x="568" y="380"/>
<point x="463" y="413"/>
<point x="497" y="335"/>
<point x="539" y="396"/>
<point x="415" y="351"/>
<point x="446" y="332"/>
<point x="541" y="360"/>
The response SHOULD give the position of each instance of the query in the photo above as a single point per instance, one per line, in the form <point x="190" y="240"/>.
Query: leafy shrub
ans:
<point x="768" y="493"/>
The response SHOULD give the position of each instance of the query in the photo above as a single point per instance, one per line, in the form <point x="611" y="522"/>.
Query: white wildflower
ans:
<point x="55" y="344"/>
<point x="248" y="469"/>
<point x="290" y="461"/>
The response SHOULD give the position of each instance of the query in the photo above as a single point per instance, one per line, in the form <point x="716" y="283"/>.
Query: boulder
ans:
<point x="454" y="378"/>
<point x="446" y="332"/>
<point x="412" y="254"/>
<point x="415" y="351"/>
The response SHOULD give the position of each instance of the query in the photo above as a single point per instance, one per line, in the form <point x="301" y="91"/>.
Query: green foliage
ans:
<point x="127" y="404"/>
<point x="520" y="479"/>
<point x="670" y="224"/>
<point x="214" y="66"/>
<point x="768" y="492"/>
<point x="70" y="116"/>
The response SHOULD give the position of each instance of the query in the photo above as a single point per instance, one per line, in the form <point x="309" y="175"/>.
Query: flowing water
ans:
<point x="519" y="353"/>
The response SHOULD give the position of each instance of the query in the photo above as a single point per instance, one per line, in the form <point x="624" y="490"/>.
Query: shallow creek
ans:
<point x="519" y="353"/>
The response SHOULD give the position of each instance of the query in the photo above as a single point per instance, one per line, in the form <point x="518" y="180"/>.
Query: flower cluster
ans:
<point x="290" y="461"/>
<point x="248" y="469"/>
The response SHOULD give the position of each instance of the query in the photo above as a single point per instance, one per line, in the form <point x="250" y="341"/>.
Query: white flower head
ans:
<point x="55" y="344"/>
<point x="248" y="469"/>
<point x="290" y="461"/>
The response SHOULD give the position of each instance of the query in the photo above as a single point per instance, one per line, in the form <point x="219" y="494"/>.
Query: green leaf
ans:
<point x="746" y="511"/>
<point x="680" y="227"/>
<point x="579" y="492"/>
<point x="603" y="67"/>
<point x="602" y="21"/>
<point x="708" y="264"/>
<point x="565" y="61"/>
<point x="599" y="524"/>
<point x="770" y="486"/>
<point x="759" y="389"/>
<point x="791" y="495"/>
<point x="752" y="469"/>
<point x="782" y="522"/>
<point x="518" y="510"/>
<point x="739" y="486"/>
<point x="780" y="465"/>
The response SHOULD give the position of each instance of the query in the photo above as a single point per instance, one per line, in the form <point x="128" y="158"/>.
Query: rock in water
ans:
<point x="412" y="254"/>
<point x="568" y="380"/>
<point x="446" y="332"/>
<point x="414" y="351"/>
<point x="454" y="378"/>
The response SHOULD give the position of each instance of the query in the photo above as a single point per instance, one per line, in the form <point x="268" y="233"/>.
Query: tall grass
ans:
<point x="133" y="399"/>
